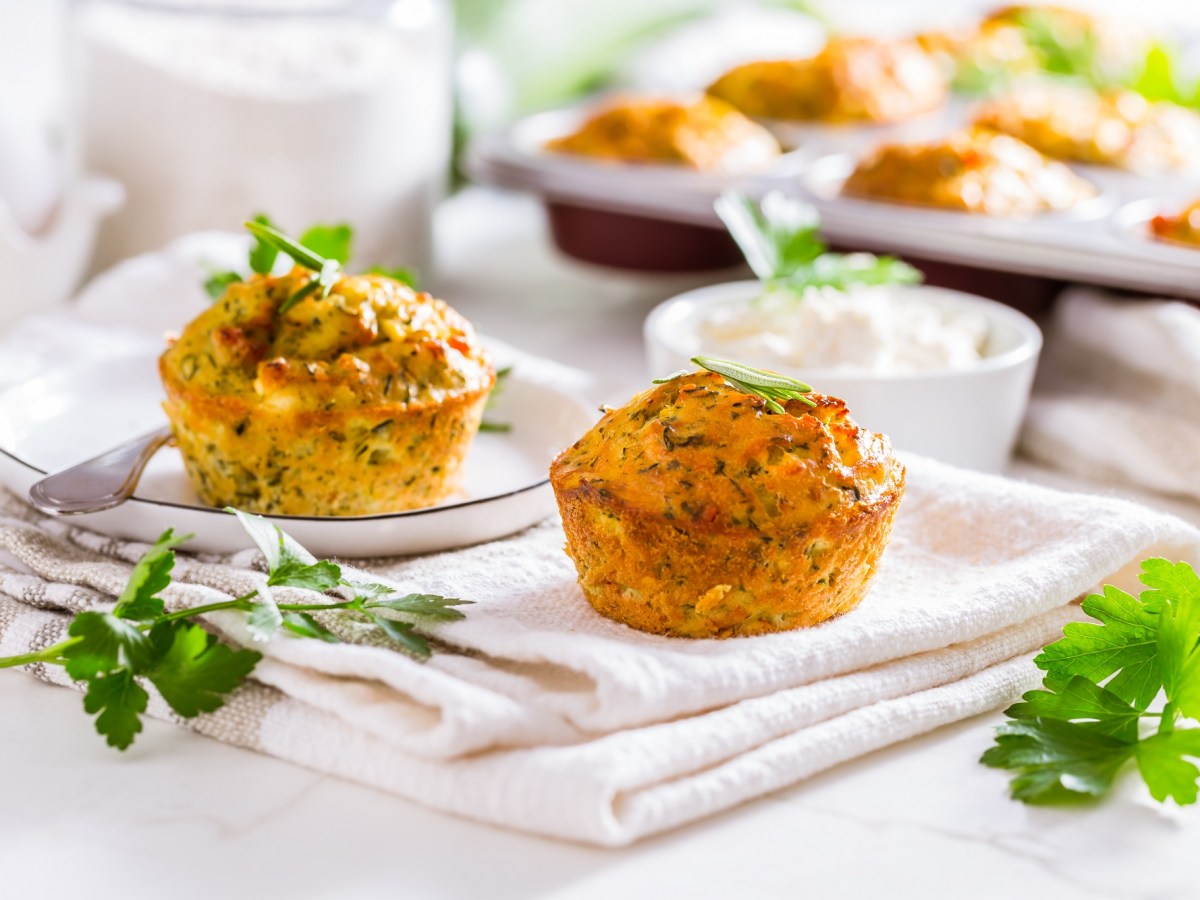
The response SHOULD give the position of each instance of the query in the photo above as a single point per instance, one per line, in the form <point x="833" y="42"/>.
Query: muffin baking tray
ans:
<point x="661" y="218"/>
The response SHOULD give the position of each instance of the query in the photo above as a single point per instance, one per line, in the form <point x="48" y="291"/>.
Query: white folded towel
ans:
<point x="555" y="720"/>
<point x="1118" y="394"/>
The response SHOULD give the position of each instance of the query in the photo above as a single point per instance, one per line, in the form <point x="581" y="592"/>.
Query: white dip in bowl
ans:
<point x="943" y="373"/>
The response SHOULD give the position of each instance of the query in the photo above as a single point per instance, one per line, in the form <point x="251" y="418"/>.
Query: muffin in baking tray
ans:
<point x="1182" y="227"/>
<point x="1114" y="128"/>
<point x="853" y="79"/>
<point x="976" y="170"/>
<point x="362" y="402"/>
<point x="704" y="134"/>
<point x="1024" y="39"/>
<point x="695" y="511"/>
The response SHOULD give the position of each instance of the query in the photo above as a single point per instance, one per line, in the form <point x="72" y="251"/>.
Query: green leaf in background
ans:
<point x="407" y="276"/>
<point x="263" y="253"/>
<point x="217" y="283"/>
<point x="330" y="241"/>
<point x="779" y="236"/>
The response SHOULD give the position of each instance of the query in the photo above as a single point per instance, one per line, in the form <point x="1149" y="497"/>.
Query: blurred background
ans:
<point x="153" y="118"/>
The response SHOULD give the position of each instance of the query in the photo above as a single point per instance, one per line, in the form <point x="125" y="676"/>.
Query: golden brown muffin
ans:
<point x="851" y="80"/>
<point x="976" y="170"/>
<point x="1017" y="40"/>
<point x="1181" y="228"/>
<point x="361" y="402"/>
<point x="1115" y="128"/>
<point x="692" y="511"/>
<point x="707" y="135"/>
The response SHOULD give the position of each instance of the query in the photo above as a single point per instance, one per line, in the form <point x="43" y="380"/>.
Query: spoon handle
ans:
<point x="102" y="482"/>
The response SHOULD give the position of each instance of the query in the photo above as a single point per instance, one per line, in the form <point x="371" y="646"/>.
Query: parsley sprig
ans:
<point x="770" y="386"/>
<point x="779" y="236"/>
<point x="115" y="654"/>
<point x="1118" y="692"/>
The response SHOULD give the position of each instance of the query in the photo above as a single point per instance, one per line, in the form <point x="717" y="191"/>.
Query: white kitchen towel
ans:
<point x="1118" y="392"/>
<point x="542" y="715"/>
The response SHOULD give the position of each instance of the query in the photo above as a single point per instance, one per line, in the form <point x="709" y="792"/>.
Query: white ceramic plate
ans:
<point x="60" y="419"/>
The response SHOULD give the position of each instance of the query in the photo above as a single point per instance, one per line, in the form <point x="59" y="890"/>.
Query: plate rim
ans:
<point x="170" y="504"/>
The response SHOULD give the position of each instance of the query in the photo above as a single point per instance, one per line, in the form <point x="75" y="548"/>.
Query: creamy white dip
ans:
<point x="878" y="329"/>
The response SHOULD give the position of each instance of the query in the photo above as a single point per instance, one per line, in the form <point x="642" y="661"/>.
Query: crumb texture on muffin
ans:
<point x="361" y="402"/>
<point x="706" y="134"/>
<point x="692" y="511"/>
<point x="853" y="79"/>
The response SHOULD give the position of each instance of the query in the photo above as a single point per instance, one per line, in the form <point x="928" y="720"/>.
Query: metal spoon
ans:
<point x="102" y="482"/>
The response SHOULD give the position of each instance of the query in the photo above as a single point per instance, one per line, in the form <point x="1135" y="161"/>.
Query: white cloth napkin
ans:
<point x="1118" y="393"/>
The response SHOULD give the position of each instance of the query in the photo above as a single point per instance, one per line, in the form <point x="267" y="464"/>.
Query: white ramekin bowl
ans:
<point x="966" y="417"/>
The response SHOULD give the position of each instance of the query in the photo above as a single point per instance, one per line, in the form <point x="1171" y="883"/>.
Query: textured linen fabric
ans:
<point x="1118" y="393"/>
<point x="541" y="715"/>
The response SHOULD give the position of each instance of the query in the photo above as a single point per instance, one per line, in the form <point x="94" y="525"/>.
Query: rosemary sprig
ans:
<point x="770" y="386"/>
<point x="328" y="270"/>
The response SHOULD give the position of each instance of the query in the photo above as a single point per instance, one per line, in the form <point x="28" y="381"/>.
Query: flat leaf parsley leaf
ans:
<point x="1116" y="691"/>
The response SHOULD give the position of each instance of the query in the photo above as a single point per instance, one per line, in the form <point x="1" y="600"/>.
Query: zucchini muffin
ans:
<point x="362" y="402"/>
<point x="693" y="511"/>
<point x="1182" y="227"/>
<point x="853" y="79"/>
<point x="707" y="135"/>
<point x="976" y="170"/>
<point x="1111" y="128"/>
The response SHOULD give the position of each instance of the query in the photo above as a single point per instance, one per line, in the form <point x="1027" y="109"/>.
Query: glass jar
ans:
<point x="322" y="111"/>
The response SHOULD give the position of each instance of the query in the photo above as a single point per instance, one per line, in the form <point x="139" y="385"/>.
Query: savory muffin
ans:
<point x="1181" y="228"/>
<point x="694" y="511"/>
<point x="361" y="402"/>
<point x="975" y="170"/>
<point x="1114" y="128"/>
<point x="853" y="79"/>
<point x="1025" y="39"/>
<point x="707" y="135"/>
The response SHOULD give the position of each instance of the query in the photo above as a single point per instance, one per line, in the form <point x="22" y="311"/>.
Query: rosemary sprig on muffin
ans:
<point x="771" y="387"/>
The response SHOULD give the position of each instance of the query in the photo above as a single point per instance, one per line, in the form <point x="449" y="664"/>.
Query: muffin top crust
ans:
<point x="705" y="455"/>
<point x="373" y="341"/>
<point x="708" y="135"/>
<point x="851" y="79"/>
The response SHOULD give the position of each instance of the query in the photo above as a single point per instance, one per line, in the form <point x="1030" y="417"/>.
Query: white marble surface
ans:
<point x="182" y="816"/>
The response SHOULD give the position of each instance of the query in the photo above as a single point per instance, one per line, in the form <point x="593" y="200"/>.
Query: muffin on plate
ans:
<point x="976" y="170"/>
<point x="695" y="511"/>
<point x="853" y="79"/>
<point x="706" y="134"/>
<point x="1181" y="228"/>
<point x="358" y="403"/>
<point x="1112" y="128"/>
